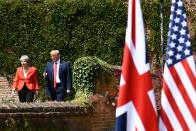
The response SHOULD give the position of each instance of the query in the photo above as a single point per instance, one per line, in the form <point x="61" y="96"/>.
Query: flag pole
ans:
<point x="162" y="39"/>
<point x="178" y="89"/>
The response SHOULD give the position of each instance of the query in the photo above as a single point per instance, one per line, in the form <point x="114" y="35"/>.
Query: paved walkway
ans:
<point x="5" y="92"/>
<point x="10" y="104"/>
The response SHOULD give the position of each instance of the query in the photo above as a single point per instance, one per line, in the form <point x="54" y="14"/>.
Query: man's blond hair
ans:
<point x="54" y="52"/>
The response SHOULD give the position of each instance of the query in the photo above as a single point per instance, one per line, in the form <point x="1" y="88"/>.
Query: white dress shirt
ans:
<point x="57" y="73"/>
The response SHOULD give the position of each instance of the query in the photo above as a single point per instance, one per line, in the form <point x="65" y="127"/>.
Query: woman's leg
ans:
<point x="22" y="94"/>
<point x="29" y="95"/>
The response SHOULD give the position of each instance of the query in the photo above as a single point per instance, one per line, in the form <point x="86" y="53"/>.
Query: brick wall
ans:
<point x="5" y="92"/>
<point x="58" y="116"/>
<point x="103" y="118"/>
<point x="63" y="116"/>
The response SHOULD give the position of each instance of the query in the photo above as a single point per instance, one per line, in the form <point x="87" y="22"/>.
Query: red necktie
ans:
<point x="55" y="72"/>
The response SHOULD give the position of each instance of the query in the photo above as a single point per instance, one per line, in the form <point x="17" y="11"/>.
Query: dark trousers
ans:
<point x="25" y="95"/>
<point x="58" y="93"/>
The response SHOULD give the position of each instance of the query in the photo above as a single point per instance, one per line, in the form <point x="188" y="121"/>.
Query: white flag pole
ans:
<point x="162" y="38"/>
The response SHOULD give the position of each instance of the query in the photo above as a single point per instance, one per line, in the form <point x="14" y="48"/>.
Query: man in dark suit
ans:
<point x="58" y="75"/>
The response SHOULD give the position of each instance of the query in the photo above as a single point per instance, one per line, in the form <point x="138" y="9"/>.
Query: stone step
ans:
<point x="5" y="92"/>
<point x="64" y="107"/>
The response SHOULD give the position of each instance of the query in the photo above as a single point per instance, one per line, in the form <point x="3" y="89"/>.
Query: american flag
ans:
<point x="136" y="108"/>
<point x="178" y="96"/>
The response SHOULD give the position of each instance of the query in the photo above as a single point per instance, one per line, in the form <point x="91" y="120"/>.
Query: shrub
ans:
<point x="87" y="70"/>
<point x="82" y="97"/>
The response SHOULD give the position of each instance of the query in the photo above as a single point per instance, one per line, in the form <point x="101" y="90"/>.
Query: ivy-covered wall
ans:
<point x="191" y="9"/>
<point x="77" y="28"/>
<point x="151" y="13"/>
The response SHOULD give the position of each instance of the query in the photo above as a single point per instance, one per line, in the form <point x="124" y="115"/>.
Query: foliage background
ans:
<point x="77" y="28"/>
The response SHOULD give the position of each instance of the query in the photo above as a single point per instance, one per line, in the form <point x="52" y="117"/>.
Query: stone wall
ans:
<point x="57" y="116"/>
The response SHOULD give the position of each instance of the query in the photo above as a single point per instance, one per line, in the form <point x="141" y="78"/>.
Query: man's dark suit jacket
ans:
<point x="64" y="75"/>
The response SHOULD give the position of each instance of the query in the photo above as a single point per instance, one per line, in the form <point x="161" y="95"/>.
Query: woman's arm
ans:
<point x="16" y="80"/>
<point x="36" y="80"/>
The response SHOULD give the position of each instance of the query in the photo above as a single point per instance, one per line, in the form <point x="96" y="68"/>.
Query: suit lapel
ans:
<point x="30" y="70"/>
<point x="60" y="66"/>
<point x="28" y="73"/>
<point x="22" y="73"/>
<point x="52" y="69"/>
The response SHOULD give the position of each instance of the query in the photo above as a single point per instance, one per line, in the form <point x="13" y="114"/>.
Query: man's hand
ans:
<point x="68" y="91"/>
<point x="45" y="75"/>
<point x="36" y="94"/>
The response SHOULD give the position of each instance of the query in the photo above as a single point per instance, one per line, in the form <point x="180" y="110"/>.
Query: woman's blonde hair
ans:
<point x="24" y="58"/>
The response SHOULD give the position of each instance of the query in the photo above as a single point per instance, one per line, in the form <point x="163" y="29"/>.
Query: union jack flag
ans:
<point x="136" y="108"/>
<point x="178" y="96"/>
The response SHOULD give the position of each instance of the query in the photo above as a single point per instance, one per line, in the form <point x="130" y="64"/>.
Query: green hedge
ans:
<point x="76" y="27"/>
<point x="87" y="70"/>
